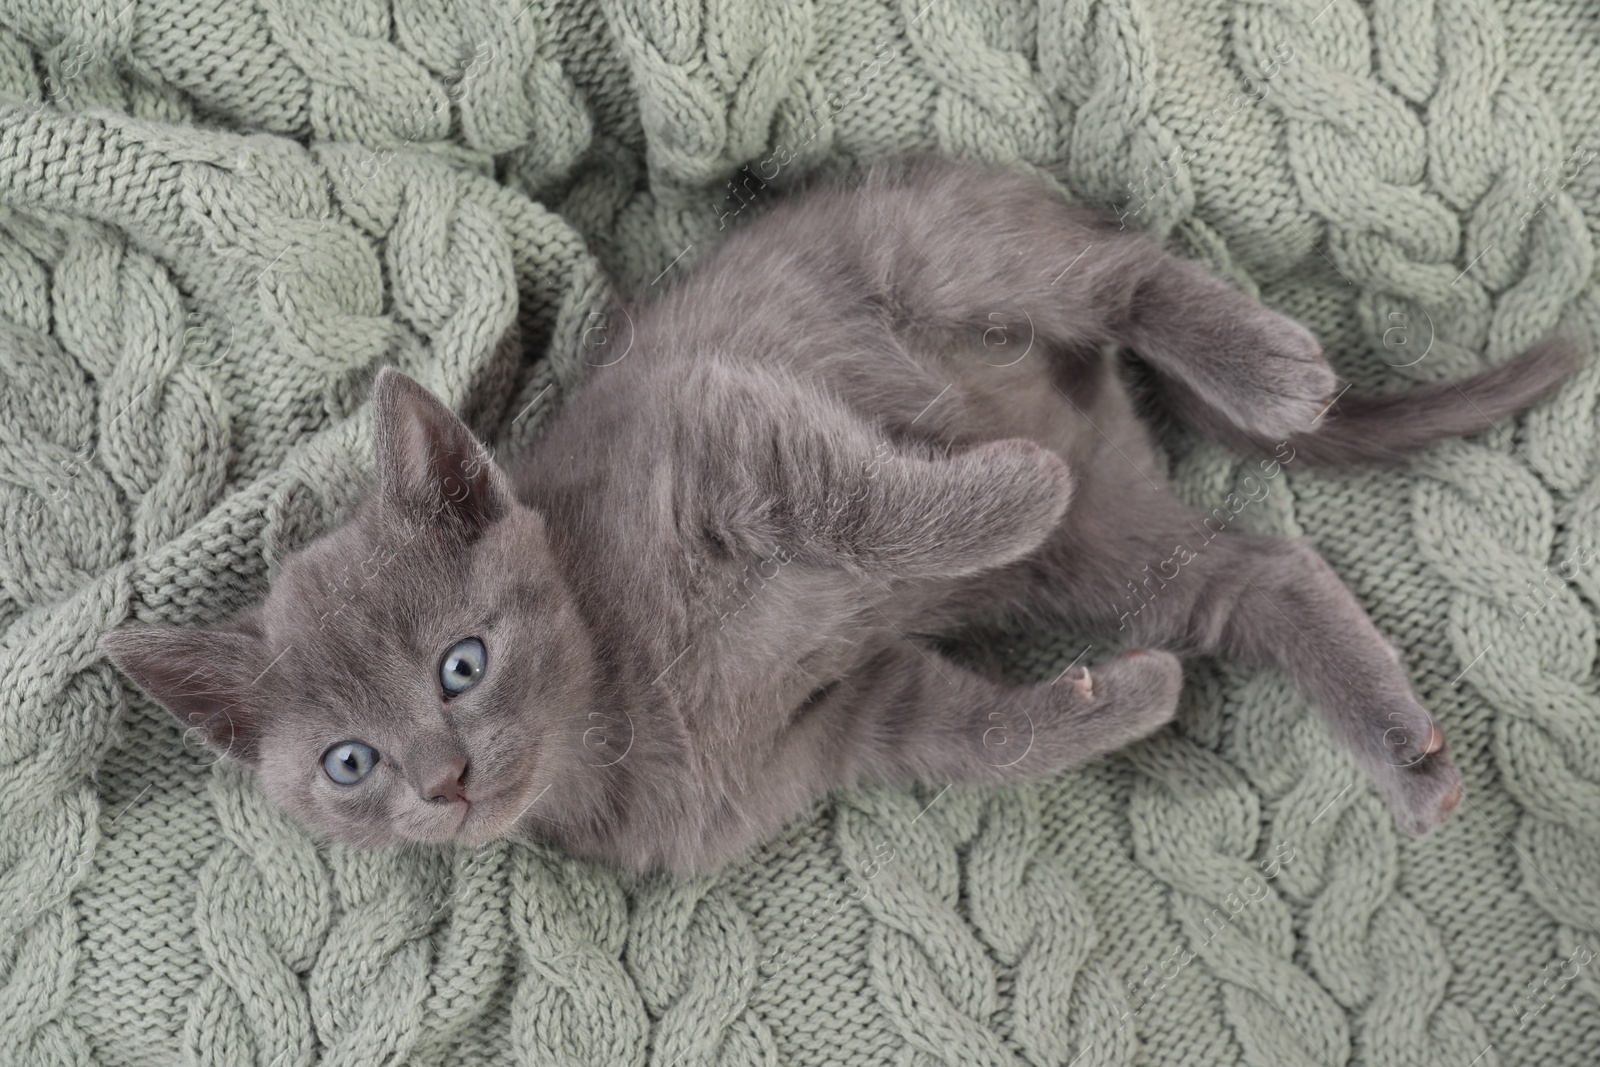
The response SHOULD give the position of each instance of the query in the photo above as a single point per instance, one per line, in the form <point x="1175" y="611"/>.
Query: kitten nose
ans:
<point x="450" y="783"/>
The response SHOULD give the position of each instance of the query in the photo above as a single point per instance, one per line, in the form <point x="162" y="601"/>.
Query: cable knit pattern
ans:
<point x="692" y="951"/>
<point x="985" y="86"/>
<point x="574" y="1001"/>
<point x="216" y="222"/>
<point x="1066" y="1002"/>
<point x="261" y="915"/>
<point x="1195" y="825"/>
<point x="929" y="971"/>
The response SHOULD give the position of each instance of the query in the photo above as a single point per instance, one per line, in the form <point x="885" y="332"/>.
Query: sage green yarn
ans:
<point x="216" y="220"/>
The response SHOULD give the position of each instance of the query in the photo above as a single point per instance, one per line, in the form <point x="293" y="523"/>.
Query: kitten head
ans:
<point x="411" y="676"/>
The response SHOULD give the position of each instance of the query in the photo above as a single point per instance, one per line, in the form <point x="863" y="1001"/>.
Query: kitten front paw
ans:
<point x="1012" y="494"/>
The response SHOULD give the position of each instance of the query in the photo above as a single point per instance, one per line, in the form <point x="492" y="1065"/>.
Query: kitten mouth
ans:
<point x="443" y="830"/>
<point x="497" y="815"/>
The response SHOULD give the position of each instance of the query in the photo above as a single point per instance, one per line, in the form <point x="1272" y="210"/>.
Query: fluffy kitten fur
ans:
<point x="705" y="593"/>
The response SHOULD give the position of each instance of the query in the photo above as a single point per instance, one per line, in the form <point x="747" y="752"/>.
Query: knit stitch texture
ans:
<point x="217" y="220"/>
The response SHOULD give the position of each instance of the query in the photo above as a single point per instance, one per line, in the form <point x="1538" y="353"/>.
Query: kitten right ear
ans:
<point x="201" y="676"/>
<point x="429" y="460"/>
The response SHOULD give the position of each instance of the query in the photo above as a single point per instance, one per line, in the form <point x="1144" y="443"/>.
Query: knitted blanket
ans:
<point x="216" y="221"/>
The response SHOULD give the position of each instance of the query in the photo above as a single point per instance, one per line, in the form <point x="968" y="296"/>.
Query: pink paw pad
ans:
<point x="1450" y="802"/>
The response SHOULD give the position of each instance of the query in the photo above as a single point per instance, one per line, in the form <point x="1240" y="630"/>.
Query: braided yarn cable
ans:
<point x="1065" y="1003"/>
<point x="574" y="1000"/>
<point x="693" y="954"/>
<point x="931" y="974"/>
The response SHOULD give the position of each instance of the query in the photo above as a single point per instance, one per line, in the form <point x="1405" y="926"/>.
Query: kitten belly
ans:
<point x="796" y="629"/>
<point x="797" y="615"/>
<point x="1064" y="400"/>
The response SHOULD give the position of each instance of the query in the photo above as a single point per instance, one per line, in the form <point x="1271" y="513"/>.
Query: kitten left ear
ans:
<point x="202" y="676"/>
<point x="429" y="459"/>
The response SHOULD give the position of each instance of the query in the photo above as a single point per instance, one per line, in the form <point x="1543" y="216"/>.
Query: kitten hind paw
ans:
<point x="1289" y="384"/>
<point x="1423" y="795"/>
<point x="1418" y="780"/>
<point x="1121" y="701"/>
<point x="1083" y="714"/>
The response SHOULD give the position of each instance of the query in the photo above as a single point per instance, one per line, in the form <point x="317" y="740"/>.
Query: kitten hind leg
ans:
<point x="909" y="714"/>
<point x="1004" y="257"/>
<point x="1257" y="368"/>
<point x="1266" y="596"/>
<point x="1256" y="598"/>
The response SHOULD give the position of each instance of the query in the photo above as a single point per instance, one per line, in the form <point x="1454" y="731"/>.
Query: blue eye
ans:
<point x="463" y="666"/>
<point x="349" y="762"/>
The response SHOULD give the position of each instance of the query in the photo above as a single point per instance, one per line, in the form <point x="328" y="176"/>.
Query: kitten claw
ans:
<point x="1411" y="736"/>
<point x="1126" y="699"/>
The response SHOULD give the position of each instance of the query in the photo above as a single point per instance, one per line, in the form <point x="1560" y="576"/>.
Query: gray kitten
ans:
<point x="707" y="596"/>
